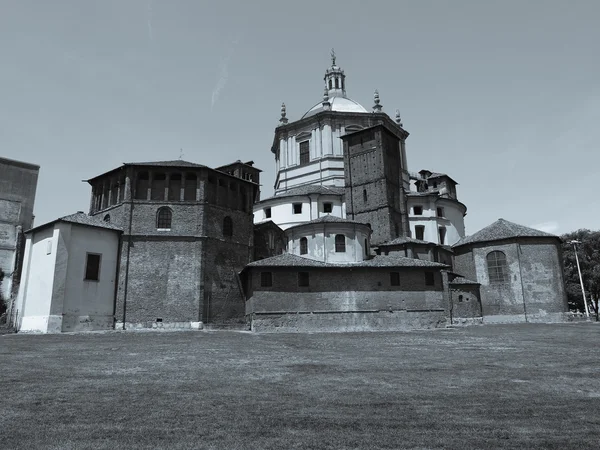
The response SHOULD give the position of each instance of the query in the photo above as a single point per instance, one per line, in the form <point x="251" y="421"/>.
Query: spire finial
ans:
<point x="398" y="119"/>
<point x="283" y="119"/>
<point x="332" y="57"/>
<point x="377" y="107"/>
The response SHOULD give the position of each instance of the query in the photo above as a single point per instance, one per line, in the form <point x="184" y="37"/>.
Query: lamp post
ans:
<point x="574" y="243"/>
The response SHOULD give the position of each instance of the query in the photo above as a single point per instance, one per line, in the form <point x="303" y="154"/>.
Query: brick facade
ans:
<point x="181" y="268"/>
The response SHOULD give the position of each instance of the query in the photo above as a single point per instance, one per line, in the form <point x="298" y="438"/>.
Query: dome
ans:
<point x="339" y="104"/>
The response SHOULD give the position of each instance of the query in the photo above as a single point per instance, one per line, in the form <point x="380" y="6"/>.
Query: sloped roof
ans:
<point x="308" y="189"/>
<point x="171" y="163"/>
<point x="502" y="229"/>
<point x="80" y="218"/>
<point x="404" y="240"/>
<point x="328" y="218"/>
<point x="463" y="280"/>
<point x="289" y="260"/>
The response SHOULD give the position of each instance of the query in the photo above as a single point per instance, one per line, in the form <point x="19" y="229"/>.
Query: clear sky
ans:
<point x="504" y="96"/>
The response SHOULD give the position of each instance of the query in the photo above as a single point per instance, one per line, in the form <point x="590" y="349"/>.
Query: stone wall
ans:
<point x="351" y="298"/>
<point x="535" y="285"/>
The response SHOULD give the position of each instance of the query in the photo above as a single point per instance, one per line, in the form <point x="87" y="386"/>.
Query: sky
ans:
<point x="504" y="96"/>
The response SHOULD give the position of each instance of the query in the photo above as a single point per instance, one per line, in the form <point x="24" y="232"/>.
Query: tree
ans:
<point x="588" y="251"/>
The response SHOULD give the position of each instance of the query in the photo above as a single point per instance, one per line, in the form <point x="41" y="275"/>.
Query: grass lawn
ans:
<point x="513" y="386"/>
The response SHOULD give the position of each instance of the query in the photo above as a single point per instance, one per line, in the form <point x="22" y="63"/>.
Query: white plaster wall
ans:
<point x="37" y="282"/>
<point x="453" y="219"/>
<point x="90" y="300"/>
<point x="312" y="208"/>
<point x="321" y="242"/>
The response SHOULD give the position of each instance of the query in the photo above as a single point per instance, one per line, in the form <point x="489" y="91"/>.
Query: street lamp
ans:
<point x="574" y="243"/>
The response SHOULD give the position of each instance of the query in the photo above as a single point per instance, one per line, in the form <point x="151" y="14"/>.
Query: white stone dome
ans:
<point x="339" y="104"/>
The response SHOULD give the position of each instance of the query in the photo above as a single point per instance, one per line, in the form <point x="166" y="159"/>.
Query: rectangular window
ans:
<point x="327" y="207"/>
<point x="442" y="233"/>
<point x="418" y="210"/>
<point x="420" y="232"/>
<point x="429" y="279"/>
<point x="266" y="279"/>
<point x="303" y="280"/>
<point x="297" y="208"/>
<point x="267" y="213"/>
<point x="92" y="267"/>
<point x="440" y="212"/>
<point x="394" y="279"/>
<point x="304" y="152"/>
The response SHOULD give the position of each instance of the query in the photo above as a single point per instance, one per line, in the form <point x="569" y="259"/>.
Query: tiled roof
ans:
<point x="502" y="229"/>
<point x="463" y="280"/>
<point x="309" y="189"/>
<point x="328" y="218"/>
<point x="289" y="260"/>
<point x="81" y="218"/>
<point x="405" y="240"/>
<point x="172" y="163"/>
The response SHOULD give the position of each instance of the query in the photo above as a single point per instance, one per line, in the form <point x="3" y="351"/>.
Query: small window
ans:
<point x="397" y="229"/>
<point x="460" y="298"/>
<point x="304" y="152"/>
<point x="365" y="195"/>
<point x="340" y="243"/>
<point x="394" y="279"/>
<point x="266" y="279"/>
<point x="366" y="249"/>
<point x="327" y="207"/>
<point x="435" y="184"/>
<point x="303" y="279"/>
<point x="92" y="267"/>
<point x="267" y="213"/>
<point x="107" y="218"/>
<point x="227" y="226"/>
<point x="442" y="234"/>
<point x="429" y="279"/>
<point x="337" y="83"/>
<point x="420" y="232"/>
<point x="440" y="212"/>
<point x="497" y="267"/>
<point x="49" y="247"/>
<point x="297" y="208"/>
<point x="418" y="210"/>
<point x="303" y="246"/>
<point x="163" y="218"/>
<point x="330" y="83"/>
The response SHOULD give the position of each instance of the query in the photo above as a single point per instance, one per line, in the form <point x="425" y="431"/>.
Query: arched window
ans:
<point x="163" y="218"/>
<point x="303" y="246"/>
<point x="337" y="83"/>
<point x="107" y="218"/>
<point x="340" y="243"/>
<point x="497" y="267"/>
<point x="330" y="83"/>
<point x="227" y="226"/>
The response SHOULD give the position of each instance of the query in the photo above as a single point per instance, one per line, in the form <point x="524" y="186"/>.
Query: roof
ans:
<point x="340" y="104"/>
<point x="308" y="189"/>
<point x="289" y="260"/>
<point x="329" y="219"/>
<point x="500" y="230"/>
<point x="171" y="163"/>
<point x="80" y="218"/>
<point x="463" y="280"/>
<point x="14" y="162"/>
<point x="405" y="240"/>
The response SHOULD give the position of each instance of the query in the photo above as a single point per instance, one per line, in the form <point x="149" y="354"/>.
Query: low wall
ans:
<point x="347" y="321"/>
<point x="540" y="317"/>
<point x="159" y="325"/>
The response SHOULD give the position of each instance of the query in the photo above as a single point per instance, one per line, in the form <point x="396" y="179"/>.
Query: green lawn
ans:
<point x="513" y="386"/>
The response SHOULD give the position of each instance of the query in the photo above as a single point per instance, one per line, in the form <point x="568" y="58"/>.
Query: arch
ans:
<point x="107" y="218"/>
<point x="330" y="83"/>
<point x="497" y="267"/>
<point x="142" y="183"/>
<point x="340" y="243"/>
<point x="164" y="217"/>
<point x="303" y="246"/>
<point x="227" y="226"/>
